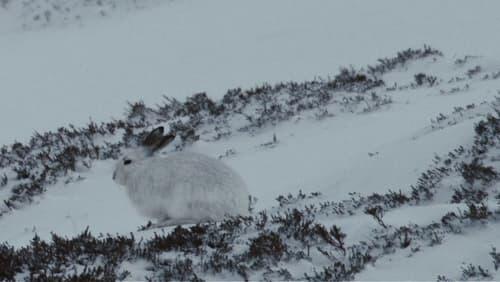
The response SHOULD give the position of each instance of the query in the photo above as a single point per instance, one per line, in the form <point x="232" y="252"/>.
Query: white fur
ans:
<point x="182" y="187"/>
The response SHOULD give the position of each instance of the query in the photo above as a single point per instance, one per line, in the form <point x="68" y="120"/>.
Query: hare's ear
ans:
<point x="167" y="139"/>
<point x="153" y="138"/>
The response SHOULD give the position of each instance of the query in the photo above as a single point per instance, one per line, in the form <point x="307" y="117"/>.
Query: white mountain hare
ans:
<point x="181" y="187"/>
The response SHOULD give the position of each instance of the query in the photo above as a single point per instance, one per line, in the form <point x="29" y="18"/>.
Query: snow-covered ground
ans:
<point x="56" y="75"/>
<point x="182" y="47"/>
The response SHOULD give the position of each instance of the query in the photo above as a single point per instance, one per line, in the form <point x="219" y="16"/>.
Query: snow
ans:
<point x="95" y="202"/>
<point x="68" y="74"/>
<point x="183" y="47"/>
<point x="445" y="259"/>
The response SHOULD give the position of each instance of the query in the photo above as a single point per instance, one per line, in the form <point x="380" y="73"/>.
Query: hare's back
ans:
<point x="187" y="170"/>
<point x="199" y="186"/>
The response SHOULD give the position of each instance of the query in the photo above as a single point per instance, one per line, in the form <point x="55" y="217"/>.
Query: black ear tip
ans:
<point x="159" y="129"/>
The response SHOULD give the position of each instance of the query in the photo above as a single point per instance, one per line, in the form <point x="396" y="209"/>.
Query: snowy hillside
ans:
<point x="360" y="146"/>
<point x="32" y="14"/>
<point x="386" y="171"/>
<point x="187" y="46"/>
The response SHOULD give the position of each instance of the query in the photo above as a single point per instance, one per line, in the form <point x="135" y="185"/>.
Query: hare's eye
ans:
<point x="127" y="162"/>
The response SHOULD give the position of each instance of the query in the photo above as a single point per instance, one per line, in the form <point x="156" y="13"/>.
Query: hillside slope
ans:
<point x="389" y="161"/>
<point x="92" y="67"/>
<point x="380" y="172"/>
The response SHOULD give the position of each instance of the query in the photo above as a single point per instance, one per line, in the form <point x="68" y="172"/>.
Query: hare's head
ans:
<point x="153" y="143"/>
